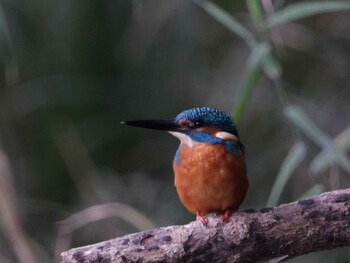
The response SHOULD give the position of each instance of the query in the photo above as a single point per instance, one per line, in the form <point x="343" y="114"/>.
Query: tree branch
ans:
<point x="317" y="223"/>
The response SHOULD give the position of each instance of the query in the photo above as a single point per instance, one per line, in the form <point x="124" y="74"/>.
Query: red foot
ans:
<point x="202" y="219"/>
<point x="227" y="214"/>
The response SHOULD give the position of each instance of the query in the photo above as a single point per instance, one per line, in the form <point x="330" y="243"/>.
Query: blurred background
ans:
<point x="70" y="71"/>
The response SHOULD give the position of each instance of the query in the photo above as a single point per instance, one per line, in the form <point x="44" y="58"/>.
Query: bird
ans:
<point x="209" y="165"/>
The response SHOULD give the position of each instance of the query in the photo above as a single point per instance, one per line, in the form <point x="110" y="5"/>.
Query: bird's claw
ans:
<point x="202" y="219"/>
<point x="227" y="214"/>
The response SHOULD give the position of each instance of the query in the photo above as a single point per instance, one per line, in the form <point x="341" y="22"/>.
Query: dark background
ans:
<point x="70" y="71"/>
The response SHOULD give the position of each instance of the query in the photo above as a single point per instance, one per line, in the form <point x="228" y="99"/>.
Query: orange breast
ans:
<point x="209" y="179"/>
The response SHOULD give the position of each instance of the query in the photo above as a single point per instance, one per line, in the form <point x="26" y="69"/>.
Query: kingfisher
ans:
<point x="209" y="165"/>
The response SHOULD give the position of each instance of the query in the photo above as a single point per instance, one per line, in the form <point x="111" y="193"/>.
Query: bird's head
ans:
<point x="197" y="125"/>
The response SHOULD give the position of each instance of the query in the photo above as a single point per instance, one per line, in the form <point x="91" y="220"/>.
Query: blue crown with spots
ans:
<point x="210" y="117"/>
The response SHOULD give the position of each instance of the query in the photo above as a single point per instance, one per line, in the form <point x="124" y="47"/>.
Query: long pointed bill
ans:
<point x="162" y="125"/>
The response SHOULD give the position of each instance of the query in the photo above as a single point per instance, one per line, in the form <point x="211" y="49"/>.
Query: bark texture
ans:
<point x="316" y="223"/>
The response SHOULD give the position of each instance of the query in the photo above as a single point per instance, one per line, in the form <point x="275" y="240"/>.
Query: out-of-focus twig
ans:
<point x="296" y="116"/>
<point x="95" y="213"/>
<point x="9" y="220"/>
<point x="325" y="159"/>
<point x="275" y="32"/>
<point x="78" y="161"/>
<point x="85" y="176"/>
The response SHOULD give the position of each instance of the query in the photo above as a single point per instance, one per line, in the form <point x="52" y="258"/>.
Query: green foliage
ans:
<point x="228" y="21"/>
<point x="304" y="9"/>
<point x="298" y="118"/>
<point x="252" y="74"/>
<point x="293" y="159"/>
<point x="326" y="158"/>
<point x="255" y="12"/>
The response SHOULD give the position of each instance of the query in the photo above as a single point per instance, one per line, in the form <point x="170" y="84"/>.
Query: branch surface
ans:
<point x="316" y="223"/>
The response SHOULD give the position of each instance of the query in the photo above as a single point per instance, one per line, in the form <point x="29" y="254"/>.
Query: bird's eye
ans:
<point x="196" y="124"/>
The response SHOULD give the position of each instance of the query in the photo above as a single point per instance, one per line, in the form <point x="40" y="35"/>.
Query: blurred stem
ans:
<point x="252" y="74"/>
<point x="299" y="10"/>
<point x="228" y="21"/>
<point x="250" y="81"/>
<point x="305" y="124"/>
<point x="96" y="213"/>
<point x="281" y="92"/>
<point x="9" y="218"/>
<point x="137" y="6"/>
<point x="294" y="157"/>
<point x="324" y="159"/>
<point x="255" y="12"/>
<point x="78" y="161"/>
<point x="279" y="4"/>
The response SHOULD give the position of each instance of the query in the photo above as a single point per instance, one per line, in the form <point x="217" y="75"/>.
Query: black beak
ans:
<point x="161" y="125"/>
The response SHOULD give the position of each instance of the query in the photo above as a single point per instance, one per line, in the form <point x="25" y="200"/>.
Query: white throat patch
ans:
<point x="185" y="139"/>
